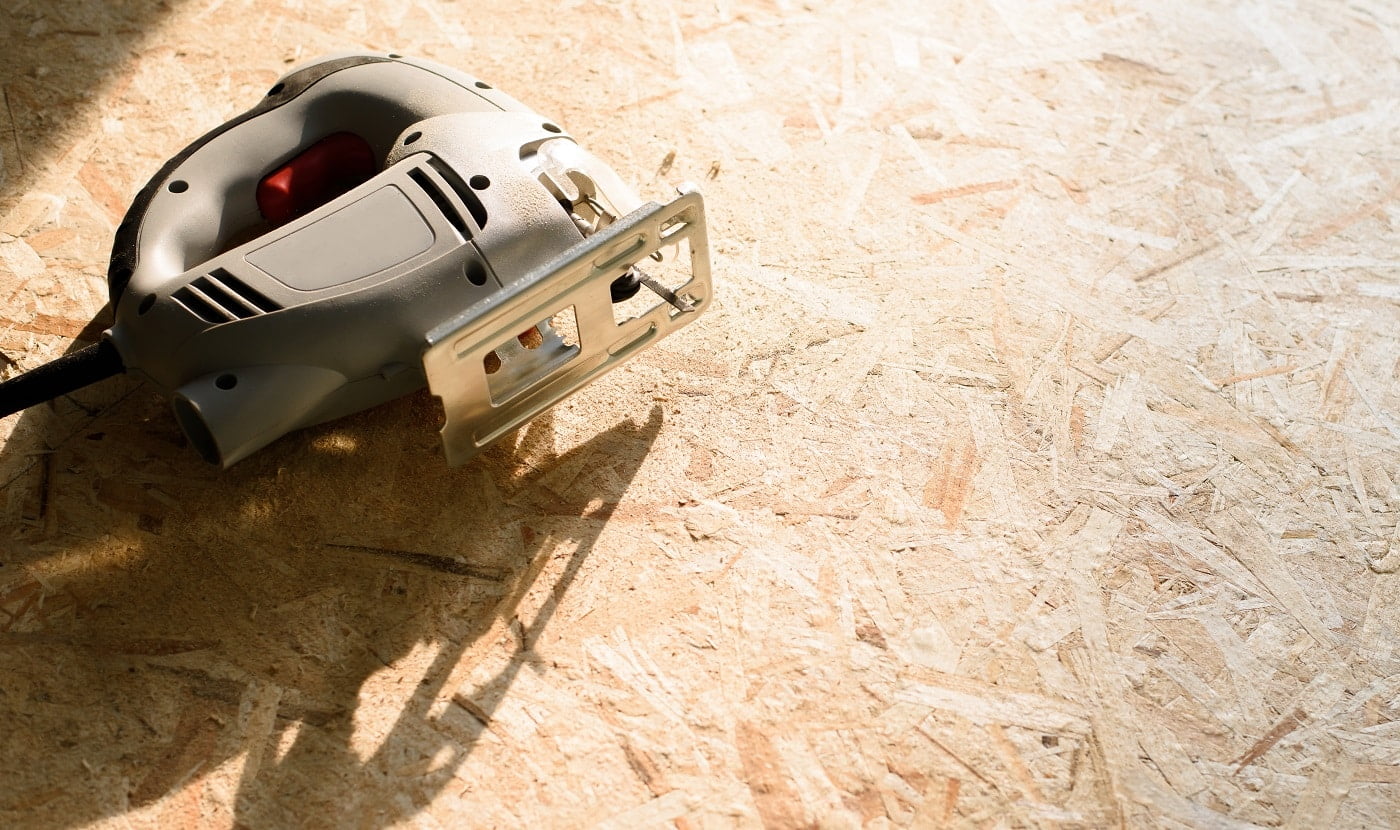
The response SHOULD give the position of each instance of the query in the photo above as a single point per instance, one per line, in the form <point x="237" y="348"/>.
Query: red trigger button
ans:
<point x="327" y="169"/>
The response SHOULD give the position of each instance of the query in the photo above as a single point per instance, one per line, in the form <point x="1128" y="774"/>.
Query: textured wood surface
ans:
<point x="1036" y="466"/>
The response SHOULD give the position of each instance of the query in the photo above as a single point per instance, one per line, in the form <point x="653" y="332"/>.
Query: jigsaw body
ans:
<point x="373" y="224"/>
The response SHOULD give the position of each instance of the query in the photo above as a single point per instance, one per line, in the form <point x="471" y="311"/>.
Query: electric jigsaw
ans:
<point x="376" y="223"/>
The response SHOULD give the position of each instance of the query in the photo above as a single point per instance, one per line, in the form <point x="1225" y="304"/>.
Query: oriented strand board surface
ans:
<point x="1037" y="466"/>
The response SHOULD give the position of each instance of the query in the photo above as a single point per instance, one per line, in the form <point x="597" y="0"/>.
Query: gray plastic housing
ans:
<point x="327" y="315"/>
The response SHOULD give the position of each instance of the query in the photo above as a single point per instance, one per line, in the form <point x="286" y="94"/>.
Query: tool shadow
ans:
<point x="179" y="643"/>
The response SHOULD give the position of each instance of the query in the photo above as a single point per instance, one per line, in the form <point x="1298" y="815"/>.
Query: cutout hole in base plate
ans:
<point x="673" y="271"/>
<point x="529" y="357"/>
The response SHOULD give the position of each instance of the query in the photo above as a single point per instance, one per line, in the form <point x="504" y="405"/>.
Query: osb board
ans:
<point x="1036" y="466"/>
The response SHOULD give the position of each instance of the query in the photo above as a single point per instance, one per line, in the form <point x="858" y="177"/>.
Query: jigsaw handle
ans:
<point x="206" y="199"/>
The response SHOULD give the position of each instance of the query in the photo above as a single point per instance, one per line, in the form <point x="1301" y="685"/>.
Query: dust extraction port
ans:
<point x="192" y="424"/>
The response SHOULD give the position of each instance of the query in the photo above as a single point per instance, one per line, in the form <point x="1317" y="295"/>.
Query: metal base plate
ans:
<point x="491" y="379"/>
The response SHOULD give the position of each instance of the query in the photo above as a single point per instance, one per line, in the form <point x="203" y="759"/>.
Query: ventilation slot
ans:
<point x="200" y="306"/>
<point x="221" y="297"/>
<point x="465" y="193"/>
<point x="423" y="180"/>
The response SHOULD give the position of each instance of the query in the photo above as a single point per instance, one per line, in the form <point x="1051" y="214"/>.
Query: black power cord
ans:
<point x="59" y="377"/>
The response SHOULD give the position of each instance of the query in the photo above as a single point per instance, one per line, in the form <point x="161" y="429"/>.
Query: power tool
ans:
<point x="376" y="223"/>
